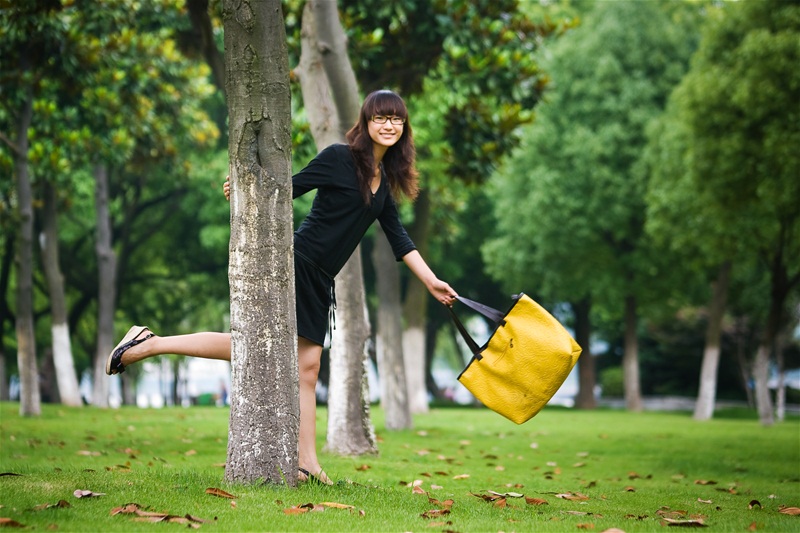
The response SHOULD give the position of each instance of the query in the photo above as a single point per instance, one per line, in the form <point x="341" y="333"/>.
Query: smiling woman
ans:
<point x="357" y="183"/>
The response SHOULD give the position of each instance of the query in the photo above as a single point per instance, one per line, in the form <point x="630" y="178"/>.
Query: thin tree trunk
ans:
<point x="5" y="311"/>
<point x="264" y="415"/>
<point x="780" y="393"/>
<point x="66" y="377"/>
<point x="415" y="314"/>
<point x="106" y="296"/>
<point x="707" y="395"/>
<point x="630" y="358"/>
<point x="587" y="375"/>
<point x="391" y="368"/>
<point x="744" y="367"/>
<point x="30" y="398"/>
<point x="201" y="22"/>
<point x="128" y="383"/>
<point x="328" y="83"/>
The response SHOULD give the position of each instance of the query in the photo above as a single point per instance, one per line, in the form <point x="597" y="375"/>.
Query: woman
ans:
<point x="356" y="184"/>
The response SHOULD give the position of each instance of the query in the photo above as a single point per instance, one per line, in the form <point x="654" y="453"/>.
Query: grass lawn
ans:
<point x="564" y="470"/>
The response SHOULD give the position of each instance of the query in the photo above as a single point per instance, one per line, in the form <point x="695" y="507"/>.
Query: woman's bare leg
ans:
<point x="208" y="345"/>
<point x="309" y="354"/>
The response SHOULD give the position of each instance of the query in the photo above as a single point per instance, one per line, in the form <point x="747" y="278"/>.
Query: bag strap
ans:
<point x="492" y="314"/>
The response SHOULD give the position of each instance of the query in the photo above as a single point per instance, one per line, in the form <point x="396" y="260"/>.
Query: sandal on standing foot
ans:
<point x="319" y="479"/>
<point x="136" y="335"/>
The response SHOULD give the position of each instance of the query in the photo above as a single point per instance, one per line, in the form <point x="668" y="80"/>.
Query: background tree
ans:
<point x="738" y="110"/>
<point x="579" y="237"/>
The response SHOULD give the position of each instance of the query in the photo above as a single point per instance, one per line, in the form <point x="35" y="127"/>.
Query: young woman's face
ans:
<point x="388" y="133"/>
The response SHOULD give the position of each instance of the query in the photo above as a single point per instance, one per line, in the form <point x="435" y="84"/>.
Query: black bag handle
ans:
<point x="492" y="314"/>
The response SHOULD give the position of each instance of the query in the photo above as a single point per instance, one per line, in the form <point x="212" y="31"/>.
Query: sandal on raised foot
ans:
<point x="136" y="335"/>
<point x="320" y="479"/>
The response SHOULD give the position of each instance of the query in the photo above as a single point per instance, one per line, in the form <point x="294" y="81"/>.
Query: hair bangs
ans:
<point x="385" y="103"/>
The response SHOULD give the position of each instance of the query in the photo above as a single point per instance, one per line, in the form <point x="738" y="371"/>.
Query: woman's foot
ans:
<point x="136" y="335"/>
<point x="321" y="478"/>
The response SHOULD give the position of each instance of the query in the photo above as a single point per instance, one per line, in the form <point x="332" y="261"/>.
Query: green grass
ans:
<point x="630" y="466"/>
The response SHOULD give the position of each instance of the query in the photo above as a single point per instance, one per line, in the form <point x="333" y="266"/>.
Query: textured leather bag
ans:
<point x="524" y="362"/>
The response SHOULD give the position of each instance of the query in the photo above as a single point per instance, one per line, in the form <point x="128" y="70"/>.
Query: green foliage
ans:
<point x="629" y="467"/>
<point x="570" y="204"/>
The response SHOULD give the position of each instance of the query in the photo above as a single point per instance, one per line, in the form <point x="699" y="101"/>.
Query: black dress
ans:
<point x="338" y="220"/>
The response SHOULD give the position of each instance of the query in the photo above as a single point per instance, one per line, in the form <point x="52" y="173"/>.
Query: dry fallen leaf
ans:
<point x="461" y="476"/>
<point x="585" y="526"/>
<point x="336" y="505"/>
<point x="536" y="501"/>
<point x="704" y="501"/>
<point x="87" y="494"/>
<point x="572" y="496"/>
<point x="793" y="511"/>
<point x="613" y="530"/>
<point x="435" y="513"/>
<point x="219" y="493"/>
<point x="8" y="522"/>
<point x="685" y="523"/>
<point x="60" y="504"/>
<point x="506" y="494"/>
<point x="363" y="468"/>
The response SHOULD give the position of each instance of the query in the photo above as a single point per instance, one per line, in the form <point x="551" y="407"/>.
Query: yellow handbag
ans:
<point x="524" y="362"/>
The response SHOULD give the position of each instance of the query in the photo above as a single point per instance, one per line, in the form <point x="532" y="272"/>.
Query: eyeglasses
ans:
<point x="382" y="119"/>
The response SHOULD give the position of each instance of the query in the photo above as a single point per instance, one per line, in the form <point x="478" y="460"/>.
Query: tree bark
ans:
<point x="415" y="314"/>
<point x="707" y="395"/>
<point x="630" y="358"/>
<point x="106" y="296"/>
<point x="587" y="375"/>
<point x="30" y="399"/>
<point x="264" y="415"/>
<point x="328" y="83"/>
<point x="66" y="377"/>
<point x="391" y="367"/>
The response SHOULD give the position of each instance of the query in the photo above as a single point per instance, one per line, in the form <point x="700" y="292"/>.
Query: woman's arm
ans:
<point x="438" y="288"/>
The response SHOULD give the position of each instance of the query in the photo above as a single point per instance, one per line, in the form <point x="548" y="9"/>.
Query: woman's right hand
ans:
<point x="226" y="188"/>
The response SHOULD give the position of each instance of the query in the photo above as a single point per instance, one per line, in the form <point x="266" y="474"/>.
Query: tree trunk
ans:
<point x="741" y="359"/>
<point x="389" y="346"/>
<point x="707" y="395"/>
<point x="587" y="375"/>
<point x="415" y="313"/>
<point x="264" y="415"/>
<point x="326" y="76"/>
<point x="630" y="358"/>
<point x="780" y="393"/>
<point x="5" y="311"/>
<point x="106" y="296"/>
<point x="30" y="399"/>
<point x="66" y="377"/>
<point x="128" y="383"/>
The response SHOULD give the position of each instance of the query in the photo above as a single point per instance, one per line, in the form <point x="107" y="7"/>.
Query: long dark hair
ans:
<point x="399" y="160"/>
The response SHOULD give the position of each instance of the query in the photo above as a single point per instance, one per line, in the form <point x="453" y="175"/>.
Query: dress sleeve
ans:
<point x="317" y="173"/>
<point x="396" y="234"/>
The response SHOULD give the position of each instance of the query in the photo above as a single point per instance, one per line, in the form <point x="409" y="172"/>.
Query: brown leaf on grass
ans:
<point x="613" y="530"/>
<point x="502" y="503"/>
<point x="577" y="496"/>
<point x="8" y="522"/>
<point x="704" y="501"/>
<point x="447" y="504"/>
<point x="792" y="511"/>
<point x="486" y="497"/>
<point x="753" y="527"/>
<point x="506" y="494"/>
<point x="435" y="513"/>
<point x="461" y="476"/>
<point x="629" y="489"/>
<point x="336" y="505"/>
<point x="61" y="504"/>
<point x="88" y="453"/>
<point x="190" y="453"/>
<point x="219" y="493"/>
<point x="585" y="526"/>
<point x="418" y="490"/>
<point x="87" y="494"/>
<point x="9" y="474"/>
<point x="665" y="513"/>
<point x="536" y="501"/>
<point x="128" y="508"/>
<point x="704" y="482"/>
<point x="295" y="510"/>
<point x="363" y="468"/>
<point x="684" y="523"/>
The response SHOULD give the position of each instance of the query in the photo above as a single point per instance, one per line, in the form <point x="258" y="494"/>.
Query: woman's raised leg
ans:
<point x="208" y="345"/>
